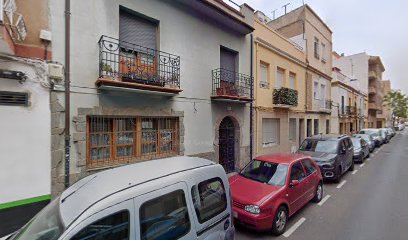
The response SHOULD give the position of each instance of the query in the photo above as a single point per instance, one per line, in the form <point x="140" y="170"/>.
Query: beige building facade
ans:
<point x="385" y="114"/>
<point x="280" y="70"/>
<point x="304" y="27"/>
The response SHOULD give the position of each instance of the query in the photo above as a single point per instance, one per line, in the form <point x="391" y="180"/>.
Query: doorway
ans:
<point x="227" y="144"/>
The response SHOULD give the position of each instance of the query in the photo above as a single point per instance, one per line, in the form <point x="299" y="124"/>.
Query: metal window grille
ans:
<point x="122" y="140"/>
<point x="13" y="98"/>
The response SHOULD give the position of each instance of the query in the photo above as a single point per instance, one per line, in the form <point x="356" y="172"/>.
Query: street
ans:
<point x="368" y="203"/>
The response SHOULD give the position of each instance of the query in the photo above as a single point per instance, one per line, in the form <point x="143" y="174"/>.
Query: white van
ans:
<point x="172" y="198"/>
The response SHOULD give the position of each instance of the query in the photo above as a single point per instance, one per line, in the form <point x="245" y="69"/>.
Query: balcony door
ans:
<point x="138" y="44"/>
<point x="229" y="68"/>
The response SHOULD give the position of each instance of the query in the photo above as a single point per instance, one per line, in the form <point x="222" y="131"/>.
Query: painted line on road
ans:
<point x="354" y="172"/>
<point x="362" y="165"/>
<point x="324" y="200"/>
<point x="294" y="227"/>
<point x="341" y="184"/>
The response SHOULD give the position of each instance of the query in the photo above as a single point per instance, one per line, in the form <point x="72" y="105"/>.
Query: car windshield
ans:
<point x="46" y="225"/>
<point x="363" y="136"/>
<point x="356" y="142"/>
<point x="323" y="146"/>
<point x="266" y="172"/>
<point x="371" y="132"/>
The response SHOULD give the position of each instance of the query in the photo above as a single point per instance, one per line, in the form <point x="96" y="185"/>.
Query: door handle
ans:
<point x="226" y="224"/>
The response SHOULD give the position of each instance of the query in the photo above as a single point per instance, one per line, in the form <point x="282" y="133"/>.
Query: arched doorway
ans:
<point x="227" y="144"/>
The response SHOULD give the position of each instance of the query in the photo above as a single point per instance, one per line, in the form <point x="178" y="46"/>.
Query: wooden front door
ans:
<point x="227" y="144"/>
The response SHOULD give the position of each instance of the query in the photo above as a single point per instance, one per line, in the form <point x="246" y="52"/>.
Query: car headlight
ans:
<point x="253" y="209"/>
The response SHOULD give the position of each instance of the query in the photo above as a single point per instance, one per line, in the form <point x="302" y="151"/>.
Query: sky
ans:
<point x="377" y="27"/>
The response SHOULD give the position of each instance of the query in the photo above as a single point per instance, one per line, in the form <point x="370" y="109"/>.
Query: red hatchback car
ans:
<point x="272" y="188"/>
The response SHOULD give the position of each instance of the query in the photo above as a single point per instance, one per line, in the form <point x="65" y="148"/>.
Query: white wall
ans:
<point x="25" y="139"/>
<point x="354" y="66"/>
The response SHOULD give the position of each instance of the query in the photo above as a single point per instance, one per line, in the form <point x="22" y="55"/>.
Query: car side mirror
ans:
<point x="293" y="183"/>
<point x="342" y="150"/>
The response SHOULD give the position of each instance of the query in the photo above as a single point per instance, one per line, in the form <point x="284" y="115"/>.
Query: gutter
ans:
<point x="67" y="90"/>
<point x="251" y="120"/>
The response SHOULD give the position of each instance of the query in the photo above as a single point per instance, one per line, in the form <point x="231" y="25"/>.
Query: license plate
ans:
<point x="235" y="214"/>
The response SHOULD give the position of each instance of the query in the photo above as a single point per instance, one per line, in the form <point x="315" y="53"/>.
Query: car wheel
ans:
<point x="351" y="168"/>
<point x="319" y="193"/>
<point x="280" y="221"/>
<point x="337" y="175"/>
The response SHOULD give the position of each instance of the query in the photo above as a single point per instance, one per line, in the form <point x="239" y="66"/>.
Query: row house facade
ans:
<point x="25" y="176"/>
<point x="385" y="114"/>
<point x="349" y="114"/>
<point x="305" y="28"/>
<point x="279" y="89"/>
<point x="152" y="79"/>
<point x="368" y="71"/>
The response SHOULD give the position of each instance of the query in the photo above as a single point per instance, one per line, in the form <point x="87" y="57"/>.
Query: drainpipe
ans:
<point x="67" y="90"/>
<point x="251" y="104"/>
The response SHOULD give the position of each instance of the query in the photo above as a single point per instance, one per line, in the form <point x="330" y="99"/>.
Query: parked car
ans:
<point x="388" y="133"/>
<point x="272" y="188"/>
<point x="173" y="198"/>
<point x="333" y="154"/>
<point x="361" y="149"/>
<point x="375" y="133"/>
<point x="369" y="140"/>
<point x="392" y="131"/>
<point x="385" y="135"/>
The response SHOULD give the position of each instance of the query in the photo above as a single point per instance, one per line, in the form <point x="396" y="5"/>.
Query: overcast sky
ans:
<point x="377" y="27"/>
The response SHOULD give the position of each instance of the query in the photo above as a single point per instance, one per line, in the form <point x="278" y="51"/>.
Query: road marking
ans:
<point x="368" y="159"/>
<point x="294" y="227"/>
<point x="362" y="165"/>
<point x="341" y="184"/>
<point x="354" y="172"/>
<point x="324" y="200"/>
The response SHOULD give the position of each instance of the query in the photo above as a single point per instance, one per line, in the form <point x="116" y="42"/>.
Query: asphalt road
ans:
<point x="370" y="203"/>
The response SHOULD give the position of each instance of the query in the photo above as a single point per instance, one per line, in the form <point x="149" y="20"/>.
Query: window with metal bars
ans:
<point x="121" y="140"/>
<point x="13" y="98"/>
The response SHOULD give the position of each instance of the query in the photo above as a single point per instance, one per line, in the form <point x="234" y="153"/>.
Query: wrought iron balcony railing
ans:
<point x="129" y="62"/>
<point x="285" y="96"/>
<point x="229" y="84"/>
<point x="351" y="110"/>
<point x="325" y="105"/>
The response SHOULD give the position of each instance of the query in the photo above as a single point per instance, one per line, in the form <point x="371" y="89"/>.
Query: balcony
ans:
<point x="325" y="105"/>
<point x="231" y="86"/>
<point x="374" y="106"/>
<point x="351" y="111"/>
<point x="285" y="97"/>
<point x="129" y="67"/>
<point x="372" y="90"/>
<point x="372" y="74"/>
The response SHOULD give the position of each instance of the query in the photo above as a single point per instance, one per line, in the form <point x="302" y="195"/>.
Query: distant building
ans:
<point x="385" y="115"/>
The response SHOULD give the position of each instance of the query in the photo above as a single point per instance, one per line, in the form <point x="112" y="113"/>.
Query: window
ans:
<point x="137" y="30"/>
<point x="309" y="166"/>
<point x="119" y="140"/>
<point x="316" y="126"/>
<point x="113" y="227"/>
<point x="165" y="217"/>
<point x="270" y="131"/>
<point x="292" y="129"/>
<point x="14" y="98"/>
<point x="292" y="80"/>
<point x="264" y="81"/>
<point x="322" y="146"/>
<point x="209" y="199"/>
<point x="297" y="172"/>
<point x="280" y="77"/>
<point x="315" y="90"/>
<point x="316" y="48"/>
<point x="327" y="126"/>
<point x="323" y="52"/>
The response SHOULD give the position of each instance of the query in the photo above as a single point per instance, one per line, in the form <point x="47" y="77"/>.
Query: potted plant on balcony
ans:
<point x="171" y="82"/>
<point x="107" y="72"/>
